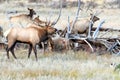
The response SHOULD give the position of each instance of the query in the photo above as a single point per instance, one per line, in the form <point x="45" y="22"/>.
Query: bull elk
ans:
<point x="22" y="19"/>
<point x="35" y="22"/>
<point x="41" y="23"/>
<point x="31" y="35"/>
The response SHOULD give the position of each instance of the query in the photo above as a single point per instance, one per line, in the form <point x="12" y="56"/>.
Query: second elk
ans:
<point x="81" y="25"/>
<point x="22" y="20"/>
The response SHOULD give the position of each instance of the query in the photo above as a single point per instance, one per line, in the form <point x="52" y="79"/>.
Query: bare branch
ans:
<point x="77" y="14"/>
<point x="89" y="45"/>
<point x="68" y="29"/>
<point x="95" y="34"/>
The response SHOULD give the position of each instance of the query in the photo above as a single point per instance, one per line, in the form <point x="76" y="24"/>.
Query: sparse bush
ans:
<point x="117" y="67"/>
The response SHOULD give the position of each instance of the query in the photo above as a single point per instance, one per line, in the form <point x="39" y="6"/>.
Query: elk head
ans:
<point x="94" y="18"/>
<point x="31" y="12"/>
<point x="50" y="30"/>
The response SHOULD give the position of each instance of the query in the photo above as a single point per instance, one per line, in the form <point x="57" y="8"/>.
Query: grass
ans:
<point x="69" y="65"/>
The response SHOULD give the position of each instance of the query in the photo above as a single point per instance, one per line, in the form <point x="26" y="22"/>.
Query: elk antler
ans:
<point x="76" y="15"/>
<point x="47" y="22"/>
<point x="53" y="23"/>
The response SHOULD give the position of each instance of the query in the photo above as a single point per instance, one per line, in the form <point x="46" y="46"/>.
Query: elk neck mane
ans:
<point x="40" y="30"/>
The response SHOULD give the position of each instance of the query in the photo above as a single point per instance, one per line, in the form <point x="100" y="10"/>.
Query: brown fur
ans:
<point x="81" y="26"/>
<point x="22" y="19"/>
<point x="31" y="35"/>
<point x="39" y="22"/>
<point x="60" y="44"/>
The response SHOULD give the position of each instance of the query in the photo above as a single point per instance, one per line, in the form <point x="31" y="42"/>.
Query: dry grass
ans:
<point x="66" y="66"/>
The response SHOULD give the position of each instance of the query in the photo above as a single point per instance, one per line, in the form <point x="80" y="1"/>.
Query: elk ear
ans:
<point x="30" y="9"/>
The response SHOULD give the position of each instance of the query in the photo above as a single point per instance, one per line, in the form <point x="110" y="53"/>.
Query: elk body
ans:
<point x="30" y="35"/>
<point x="60" y="44"/>
<point x="82" y="25"/>
<point x="34" y="22"/>
<point x="22" y="20"/>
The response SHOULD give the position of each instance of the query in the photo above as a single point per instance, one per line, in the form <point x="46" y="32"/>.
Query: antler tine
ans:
<point x="54" y="22"/>
<point x="50" y="15"/>
<point x="76" y="15"/>
<point x="46" y="21"/>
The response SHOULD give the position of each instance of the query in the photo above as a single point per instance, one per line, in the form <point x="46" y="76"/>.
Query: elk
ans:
<point x="31" y="35"/>
<point x="34" y="22"/>
<point x="77" y="26"/>
<point x="81" y="25"/>
<point x="39" y="22"/>
<point x="60" y="44"/>
<point x="22" y="19"/>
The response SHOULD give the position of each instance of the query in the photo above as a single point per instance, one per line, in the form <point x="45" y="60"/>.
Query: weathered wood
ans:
<point x="112" y="46"/>
<point x="77" y="14"/>
<point x="95" y="34"/>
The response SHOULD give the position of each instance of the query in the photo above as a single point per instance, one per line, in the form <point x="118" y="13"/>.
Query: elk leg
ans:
<point x="12" y="50"/>
<point x="7" y="52"/>
<point x="50" y="44"/>
<point x="35" y="52"/>
<point x="42" y="43"/>
<point x="9" y="47"/>
<point x="30" y="49"/>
